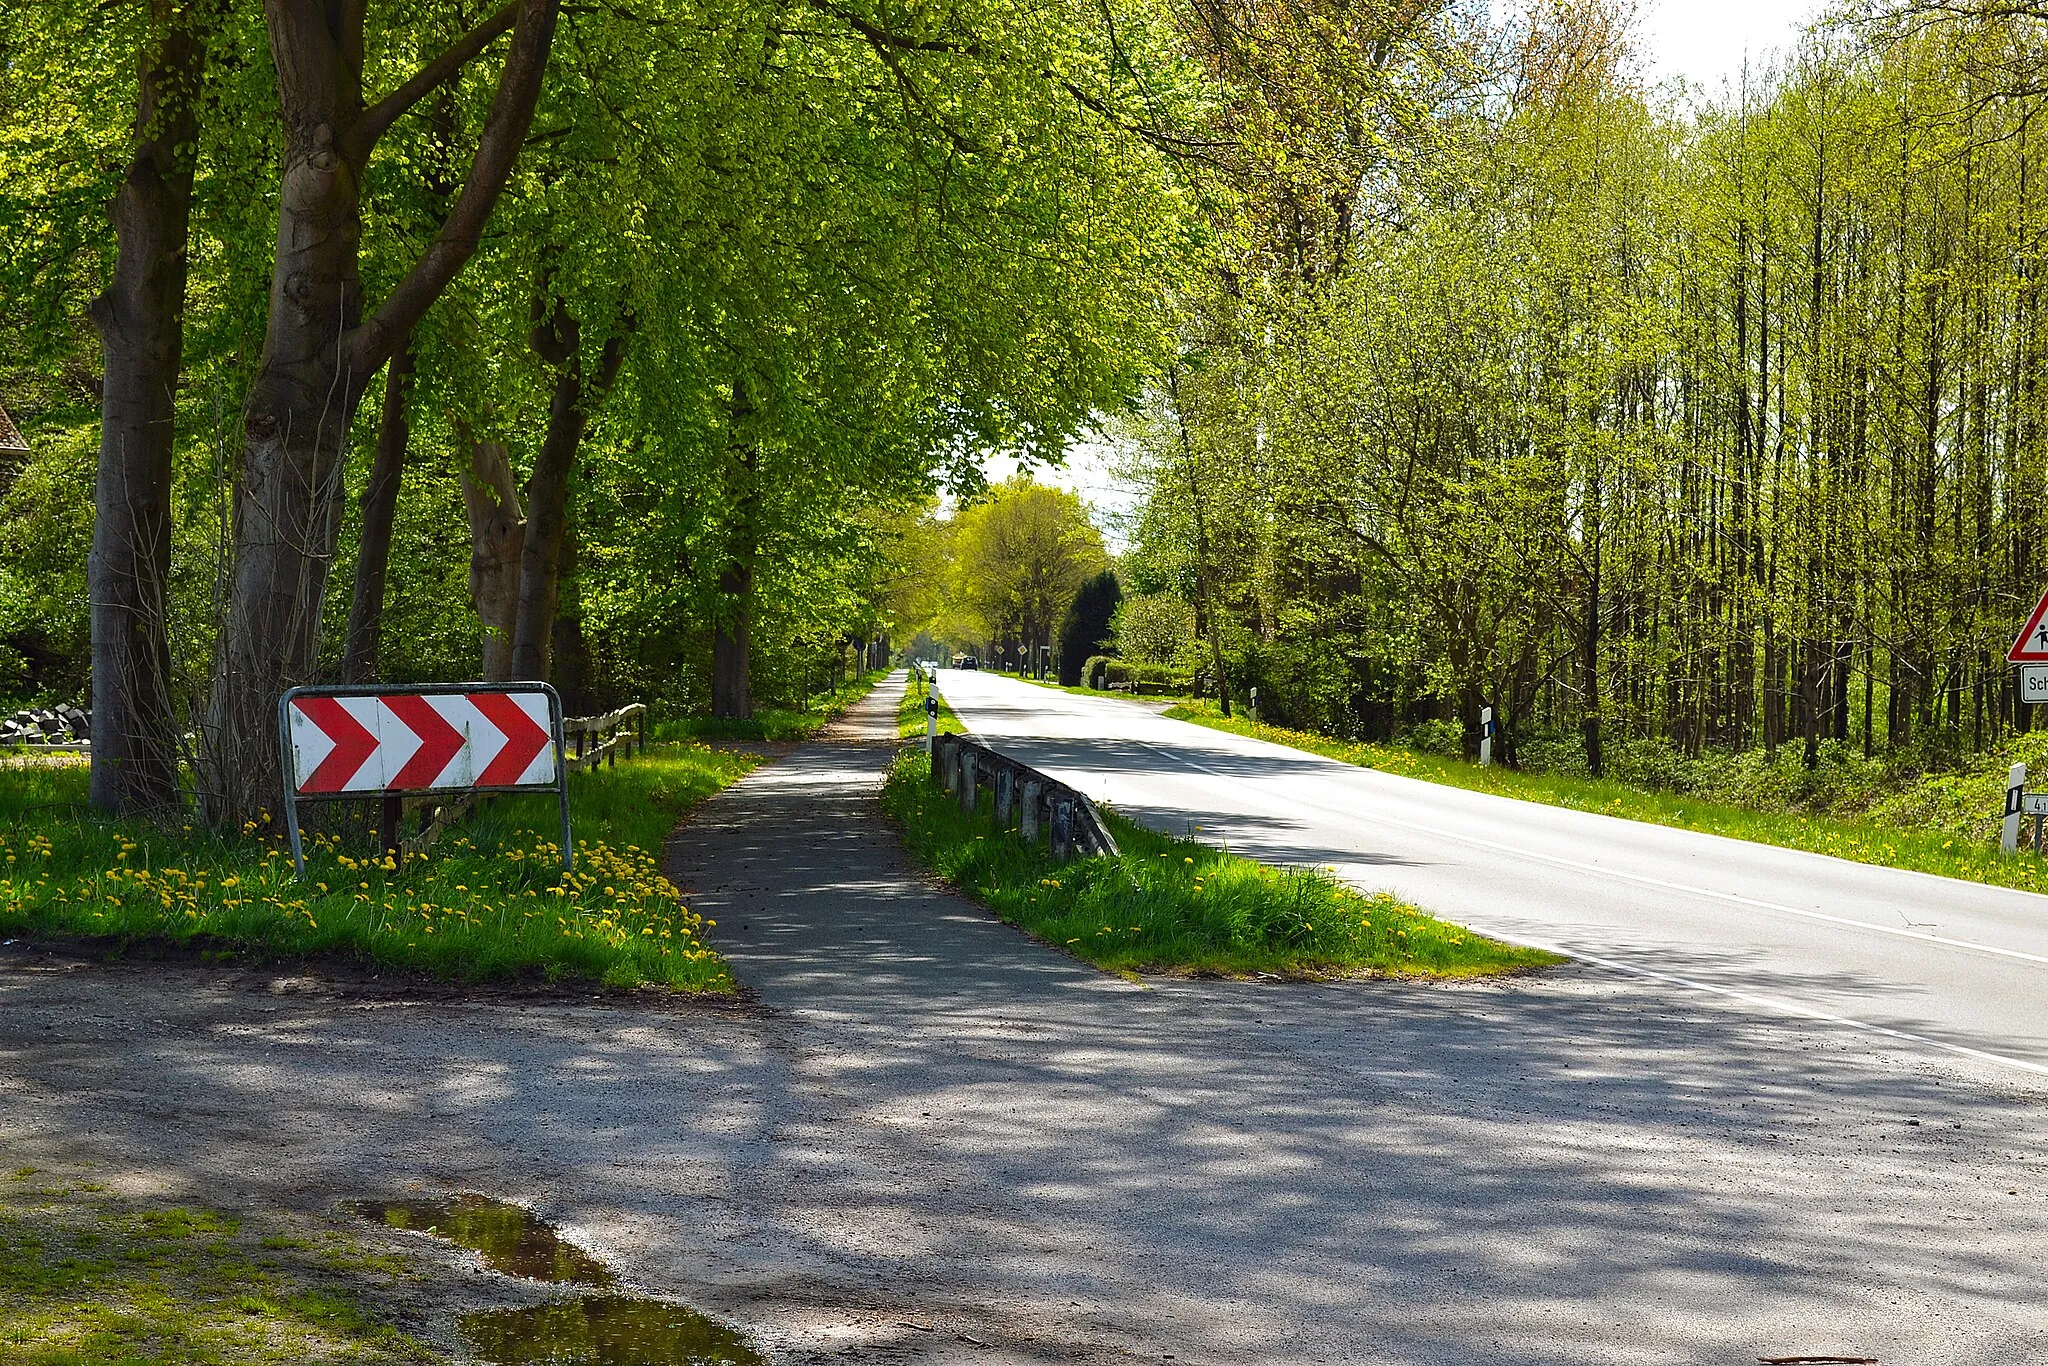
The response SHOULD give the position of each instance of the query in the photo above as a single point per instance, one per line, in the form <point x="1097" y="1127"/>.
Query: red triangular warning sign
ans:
<point x="2032" y="645"/>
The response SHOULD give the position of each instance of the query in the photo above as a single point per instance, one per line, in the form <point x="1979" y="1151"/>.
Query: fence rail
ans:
<point x="1073" y="826"/>
<point x="587" y="742"/>
<point x="601" y="739"/>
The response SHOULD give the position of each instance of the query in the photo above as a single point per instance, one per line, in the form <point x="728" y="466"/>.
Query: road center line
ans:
<point x="1638" y="878"/>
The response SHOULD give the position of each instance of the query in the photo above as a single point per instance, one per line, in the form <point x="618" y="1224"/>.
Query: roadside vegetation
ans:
<point x="1943" y="823"/>
<point x="776" y="724"/>
<point x="1176" y="906"/>
<point x="88" y="1279"/>
<point x="910" y="715"/>
<point x="488" y="902"/>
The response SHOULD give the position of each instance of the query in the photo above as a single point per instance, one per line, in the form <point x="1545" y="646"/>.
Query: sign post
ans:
<point x="1486" y="737"/>
<point x="390" y="741"/>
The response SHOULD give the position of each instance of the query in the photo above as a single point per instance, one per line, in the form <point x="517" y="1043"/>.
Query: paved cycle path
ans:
<point x="936" y="1123"/>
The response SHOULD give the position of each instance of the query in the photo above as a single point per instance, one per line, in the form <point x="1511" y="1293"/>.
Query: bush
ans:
<point x="1095" y="673"/>
<point x="1443" y="738"/>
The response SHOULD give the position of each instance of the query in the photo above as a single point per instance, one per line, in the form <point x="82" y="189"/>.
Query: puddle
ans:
<point x="509" y="1238"/>
<point x="606" y="1330"/>
<point x="597" y="1330"/>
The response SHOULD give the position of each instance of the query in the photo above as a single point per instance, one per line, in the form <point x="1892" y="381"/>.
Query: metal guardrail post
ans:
<point x="967" y="779"/>
<point x="1027" y="826"/>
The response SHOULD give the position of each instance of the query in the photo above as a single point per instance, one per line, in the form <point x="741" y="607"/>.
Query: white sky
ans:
<point x="1703" y="43"/>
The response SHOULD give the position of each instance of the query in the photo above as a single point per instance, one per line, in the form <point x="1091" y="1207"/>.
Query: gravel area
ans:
<point x="935" y="1140"/>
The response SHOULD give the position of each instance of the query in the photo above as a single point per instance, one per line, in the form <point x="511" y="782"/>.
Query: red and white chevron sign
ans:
<point x="373" y="742"/>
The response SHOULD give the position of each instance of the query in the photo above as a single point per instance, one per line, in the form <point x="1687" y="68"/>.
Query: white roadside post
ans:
<point x="931" y="721"/>
<point x="1486" y="737"/>
<point x="2015" y="785"/>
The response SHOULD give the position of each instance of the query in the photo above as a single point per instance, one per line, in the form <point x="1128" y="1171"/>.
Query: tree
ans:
<point x="140" y="317"/>
<point x="1021" y="556"/>
<point x="320" y="350"/>
<point x="1085" y="629"/>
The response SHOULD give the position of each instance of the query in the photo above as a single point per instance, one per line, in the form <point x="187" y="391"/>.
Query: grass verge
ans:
<point x="1177" y="906"/>
<point x="1888" y="845"/>
<point x="490" y="901"/>
<point x="910" y="715"/>
<point x="775" y="724"/>
<point x="90" y="1280"/>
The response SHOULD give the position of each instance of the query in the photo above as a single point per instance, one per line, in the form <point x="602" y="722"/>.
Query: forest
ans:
<point x="657" y="349"/>
<point x="1680" y="422"/>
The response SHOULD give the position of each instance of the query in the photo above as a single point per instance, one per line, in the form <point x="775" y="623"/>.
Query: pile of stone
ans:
<point x="65" y="725"/>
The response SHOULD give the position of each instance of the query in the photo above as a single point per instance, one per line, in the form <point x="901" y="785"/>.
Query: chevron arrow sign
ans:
<point x="420" y="742"/>
<point x="389" y="741"/>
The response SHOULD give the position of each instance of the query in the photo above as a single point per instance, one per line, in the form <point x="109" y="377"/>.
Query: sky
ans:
<point x="1704" y="43"/>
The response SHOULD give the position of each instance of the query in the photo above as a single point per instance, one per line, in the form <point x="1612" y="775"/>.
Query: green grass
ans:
<point x="90" y="1280"/>
<point x="490" y="901"/>
<point x="1177" y="906"/>
<point x="776" y="724"/>
<point x="1887" y="843"/>
<point x="910" y="715"/>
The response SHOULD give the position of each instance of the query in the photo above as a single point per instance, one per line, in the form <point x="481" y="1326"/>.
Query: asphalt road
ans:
<point x="1930" y="963"/>
<point x="939" y="1141"/>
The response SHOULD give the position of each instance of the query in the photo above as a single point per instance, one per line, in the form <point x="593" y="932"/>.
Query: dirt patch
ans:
<point x="335" y="978"/>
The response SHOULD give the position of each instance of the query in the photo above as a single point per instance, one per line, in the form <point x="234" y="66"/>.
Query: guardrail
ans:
<point x="594" y="740"/>
<point x="1073" y="826"/>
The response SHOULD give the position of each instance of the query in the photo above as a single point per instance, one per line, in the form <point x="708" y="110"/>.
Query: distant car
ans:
<point x="967" y="662"/>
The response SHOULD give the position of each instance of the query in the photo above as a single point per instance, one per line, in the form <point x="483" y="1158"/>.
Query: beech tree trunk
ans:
<point x="732" y="684"/>
<point x="569" y="658"/>
<point x="320" y="351"/>
<point x="556" y="339"/>
<point x="141" y="322"/>
<point x="496" y="534"/>
<point x="379" y="507"/>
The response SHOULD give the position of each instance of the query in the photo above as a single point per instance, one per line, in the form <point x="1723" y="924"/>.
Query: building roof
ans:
<point x="10" y="439"/>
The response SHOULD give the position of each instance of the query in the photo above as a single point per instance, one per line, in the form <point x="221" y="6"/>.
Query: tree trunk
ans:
<point x="732" y="685"/>
<point x="319" y="353"/>
<point x="496" y="533"/>
<point x="570" y="653"/>
<point x="142" y="328"/>
<point x="557" y="341"/>
<point x="732" y="689"/>
<point x="379" y="505"/>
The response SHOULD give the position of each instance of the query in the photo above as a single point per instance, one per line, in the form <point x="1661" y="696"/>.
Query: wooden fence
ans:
<point x="601" y="739"/>
<point x="587" y="742"/>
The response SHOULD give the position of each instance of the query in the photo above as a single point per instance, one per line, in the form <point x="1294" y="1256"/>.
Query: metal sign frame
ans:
<point x="288" y="759"/>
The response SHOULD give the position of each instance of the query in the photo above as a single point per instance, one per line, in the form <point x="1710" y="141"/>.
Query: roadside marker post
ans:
<point x="931" y="721"/>
<point x="1486" y="737"/>
<point x="391" y="741"/>
<point x="2015" y="790"/>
